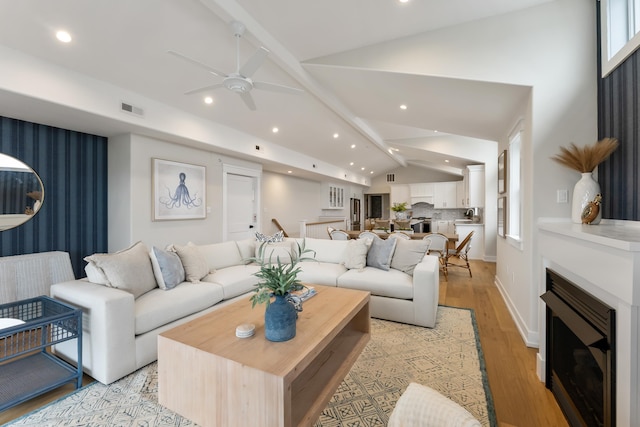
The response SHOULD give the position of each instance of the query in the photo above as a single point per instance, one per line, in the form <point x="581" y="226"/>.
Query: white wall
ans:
<point x="550" y="48"/>
<point x="130" y="193"/>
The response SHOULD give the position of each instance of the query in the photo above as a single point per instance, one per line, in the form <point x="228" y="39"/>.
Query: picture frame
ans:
<point x="502" y="216"/>
<point x="502" y="172"/>
<point x="178" y="190"/>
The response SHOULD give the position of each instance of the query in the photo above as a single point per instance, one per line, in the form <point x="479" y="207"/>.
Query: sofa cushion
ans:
<point x="247" y="249"/>
<point x="167" y="268"/>
<point x="235" y="280"/>
<point x="380" y="253"/>
<point x="129" y="269"/>
<point x="220" y="255"/>
<point x="158" y="307"/>
<point x="325" y="250"/>
<point x="391" y="283"/>
<point x="272" y="251"/>
<point x="408" y="254"/>
<point x="320" y="273"/>
<point x="356" y="253"/>
<point x="194" y="263"/>
<point x="95" y="274"/>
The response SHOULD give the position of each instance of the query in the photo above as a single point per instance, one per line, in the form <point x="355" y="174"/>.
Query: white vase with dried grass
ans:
<point x="585" y="160"/>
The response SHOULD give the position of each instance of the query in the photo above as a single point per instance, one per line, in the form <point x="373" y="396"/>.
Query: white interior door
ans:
<point x="241" y="206"/>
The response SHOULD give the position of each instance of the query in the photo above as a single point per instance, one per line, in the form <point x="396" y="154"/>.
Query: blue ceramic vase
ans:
<point x="280" y="320"/>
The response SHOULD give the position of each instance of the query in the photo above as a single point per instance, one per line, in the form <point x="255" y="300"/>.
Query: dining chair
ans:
<point x="329" y="230"/>
<point x="399" y="235"/>
<point x="368" y="235"/>
<point x="438" y="244"/>
<point x="461" y="253"/>
<point x="339" y="235"/>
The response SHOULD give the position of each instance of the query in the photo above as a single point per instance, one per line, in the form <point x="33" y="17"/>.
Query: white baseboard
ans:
<point x="530" y="338"/>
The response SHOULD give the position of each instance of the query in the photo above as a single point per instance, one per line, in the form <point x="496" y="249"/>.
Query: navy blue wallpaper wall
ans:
<point x="73" y="168"/>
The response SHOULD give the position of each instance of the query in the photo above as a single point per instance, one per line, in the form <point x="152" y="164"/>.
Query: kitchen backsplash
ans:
<point x="428" y="211"/>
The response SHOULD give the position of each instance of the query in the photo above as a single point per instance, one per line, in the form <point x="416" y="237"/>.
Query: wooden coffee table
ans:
<point x="207" y="374"/>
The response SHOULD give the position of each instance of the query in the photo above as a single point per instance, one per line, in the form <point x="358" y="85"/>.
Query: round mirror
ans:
<point x="21" y="192"/>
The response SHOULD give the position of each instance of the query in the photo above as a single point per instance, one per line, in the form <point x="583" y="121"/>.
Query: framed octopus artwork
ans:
<point x="179" y="190"/>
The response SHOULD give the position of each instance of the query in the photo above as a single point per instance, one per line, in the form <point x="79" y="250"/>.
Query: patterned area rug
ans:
<point x="447" y="358"/>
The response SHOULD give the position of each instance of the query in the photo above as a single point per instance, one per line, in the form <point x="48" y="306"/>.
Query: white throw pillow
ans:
<point x="274" y="251"/>
<point x="167" y="268"/>
<point x="194" y="263"/>
<point x="129" y="269"/>
<point x="408" y="254"/>
<point x="356" y="254"/>
<point x="95" y="274"/>
<point x="220" y="255"/>
<point x="422" y="406"/>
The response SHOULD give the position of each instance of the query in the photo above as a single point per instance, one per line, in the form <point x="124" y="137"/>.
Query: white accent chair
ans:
<point x="338" y="235"/>
<point x="399" y="235"/>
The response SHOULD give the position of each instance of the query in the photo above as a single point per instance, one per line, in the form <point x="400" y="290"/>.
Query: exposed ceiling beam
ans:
<point x="230" y="9"/>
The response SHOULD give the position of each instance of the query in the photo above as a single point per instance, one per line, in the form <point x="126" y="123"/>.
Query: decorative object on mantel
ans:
<point x="585" y="160"/>
<point x="400" y="210"/>
<point x="591" y="211"/>
<point x="279" y="280"/>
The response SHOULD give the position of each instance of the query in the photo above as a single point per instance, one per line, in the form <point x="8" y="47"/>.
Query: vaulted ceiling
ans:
<point x="125" y="43"/>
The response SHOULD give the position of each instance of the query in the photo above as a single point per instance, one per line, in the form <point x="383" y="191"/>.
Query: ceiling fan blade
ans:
<point x="248" y="99"/>
<point x="254" y="62"/>
<point x="204" y="89"/>
<point x="197" y="63"/>
<point x="277" y="88"/>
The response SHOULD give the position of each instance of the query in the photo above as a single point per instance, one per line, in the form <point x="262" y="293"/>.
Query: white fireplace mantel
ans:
<point x="604" y="260"/>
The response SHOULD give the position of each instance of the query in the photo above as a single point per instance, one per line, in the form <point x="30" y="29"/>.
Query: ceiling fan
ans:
<point x="240" y="81"/>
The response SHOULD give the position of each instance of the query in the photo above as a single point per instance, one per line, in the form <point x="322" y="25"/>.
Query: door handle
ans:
<point x="251" y="226"/>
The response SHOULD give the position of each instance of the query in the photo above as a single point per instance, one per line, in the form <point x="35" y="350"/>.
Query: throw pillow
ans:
<point x="274" y="251"/>
<point x="408" y="254"/>
<point x="356" y="254"/>
<point x="194" y="263"/>
<point x="167" y="268"/>
<point x="129" y="269"/>
<point x="278" y="237"/>
<point x="420" y="405"/>
<point x="220" y="255"/>
<point x="95" y="275"/>
<point x="380" y="253"/>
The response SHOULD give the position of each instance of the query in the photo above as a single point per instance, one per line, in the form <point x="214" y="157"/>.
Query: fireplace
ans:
<point x="580" y="353"/>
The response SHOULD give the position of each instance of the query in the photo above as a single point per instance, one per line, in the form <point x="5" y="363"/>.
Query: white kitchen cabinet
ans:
<point x="421" y="192"/>
<point x="477" y="241"/>
<point x="333" y="197"/>
<point x="445" y="195"/>
<point x="443" y="226"/>
<point x="461" y="195"/>
<point x="475" y="186"/>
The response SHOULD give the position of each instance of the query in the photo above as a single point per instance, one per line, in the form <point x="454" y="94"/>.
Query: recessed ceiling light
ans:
<point x="353" y="145"/>
<point x="435" y="131"/>
<point x="371" y="172"/>
<point x="63" y="36"/>
<point x="361" y="168"/>
<point x="446" y="160"/>
<point x="351" y="164"/>
<point x="403" y="1"/>
<point x="289" y="171"/>
<point x="403" y="107"/>
<point x="275" y="130"/>
<point x="390" y="151"/>
<point x="336" y="135"/>
<point x="208" y="100"/>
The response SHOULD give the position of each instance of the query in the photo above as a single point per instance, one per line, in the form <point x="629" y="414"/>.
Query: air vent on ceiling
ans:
<point x="128" y="108"/>
<point x="391" y="177"/>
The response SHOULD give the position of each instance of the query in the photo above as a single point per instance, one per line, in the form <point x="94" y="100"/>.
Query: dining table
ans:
<point x="453" y="238"/>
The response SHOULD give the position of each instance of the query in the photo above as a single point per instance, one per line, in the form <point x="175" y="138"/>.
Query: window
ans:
<point x="620" y="27"/>
<point x="514" y="211"/>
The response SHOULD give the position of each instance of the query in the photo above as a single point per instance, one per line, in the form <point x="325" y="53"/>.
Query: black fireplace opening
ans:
<point x="580" y="356"/>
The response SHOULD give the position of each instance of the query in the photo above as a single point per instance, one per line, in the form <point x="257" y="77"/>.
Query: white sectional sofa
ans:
<point x="131" y="303"/>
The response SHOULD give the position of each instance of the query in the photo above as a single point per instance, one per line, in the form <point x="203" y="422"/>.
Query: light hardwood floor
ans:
<point x="520" y="399"/>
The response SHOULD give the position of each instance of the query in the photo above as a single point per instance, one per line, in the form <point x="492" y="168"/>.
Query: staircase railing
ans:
<point x="277" y="224"/>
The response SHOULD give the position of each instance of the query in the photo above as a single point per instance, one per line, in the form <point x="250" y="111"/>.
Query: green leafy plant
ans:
<point x="278" y="278"/>
<point x="399" y="207"/>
